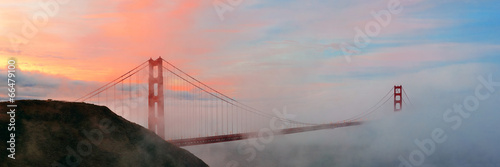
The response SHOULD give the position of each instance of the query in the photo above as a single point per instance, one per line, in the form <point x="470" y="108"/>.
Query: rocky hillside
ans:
<point x="59" y="134"/>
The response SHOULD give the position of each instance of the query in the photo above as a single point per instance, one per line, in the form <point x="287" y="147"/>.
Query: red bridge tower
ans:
<point x="397" y="98"/>
<point x="155" y="98"/>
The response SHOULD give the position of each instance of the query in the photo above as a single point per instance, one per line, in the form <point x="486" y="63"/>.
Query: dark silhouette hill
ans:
<point x="56" y="133"/>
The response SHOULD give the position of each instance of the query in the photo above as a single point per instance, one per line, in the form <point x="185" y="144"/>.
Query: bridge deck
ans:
<point x="242" y="136"/>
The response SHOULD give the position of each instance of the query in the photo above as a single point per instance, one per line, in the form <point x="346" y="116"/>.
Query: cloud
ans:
<point x="95" y="38"/>
<point x="389" y="60"/>
<point x="37" y="85"/>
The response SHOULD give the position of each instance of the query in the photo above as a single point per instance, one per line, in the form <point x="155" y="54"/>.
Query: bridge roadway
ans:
<point x="242" y="136"/>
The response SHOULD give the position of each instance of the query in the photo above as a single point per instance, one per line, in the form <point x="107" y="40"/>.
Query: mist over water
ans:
<point x="385" y="140"/>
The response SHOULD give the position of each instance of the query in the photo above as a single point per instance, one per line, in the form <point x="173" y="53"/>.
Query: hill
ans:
<point x="56" y="133"/>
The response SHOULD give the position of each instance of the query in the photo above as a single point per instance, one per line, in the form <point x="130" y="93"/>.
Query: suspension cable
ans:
<point x="369" y="109"/>
<point x="110" y="82"/>
<point x="407" y="97"/>
<point x="254" y="110"/>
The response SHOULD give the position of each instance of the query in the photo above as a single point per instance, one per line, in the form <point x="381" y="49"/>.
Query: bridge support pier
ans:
<point x="155" y="98"/>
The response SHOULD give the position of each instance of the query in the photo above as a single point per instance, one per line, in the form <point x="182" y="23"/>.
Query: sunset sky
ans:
<point x="321" y="60"/>
<point x="284" y="50"/>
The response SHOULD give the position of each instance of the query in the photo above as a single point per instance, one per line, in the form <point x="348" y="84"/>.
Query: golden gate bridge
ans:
<point x="185" y="111"/>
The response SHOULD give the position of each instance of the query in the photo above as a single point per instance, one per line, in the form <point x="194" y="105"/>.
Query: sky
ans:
<point x="92" y="41"/>
<point x="269" y="54"/>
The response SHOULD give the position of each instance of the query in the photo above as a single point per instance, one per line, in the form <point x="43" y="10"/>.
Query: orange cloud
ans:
<point x="108" y="38"/>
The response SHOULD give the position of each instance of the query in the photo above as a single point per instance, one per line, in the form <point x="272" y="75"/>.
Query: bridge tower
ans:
<point x="155" y="98"/>
<point x="398" y="98"/>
